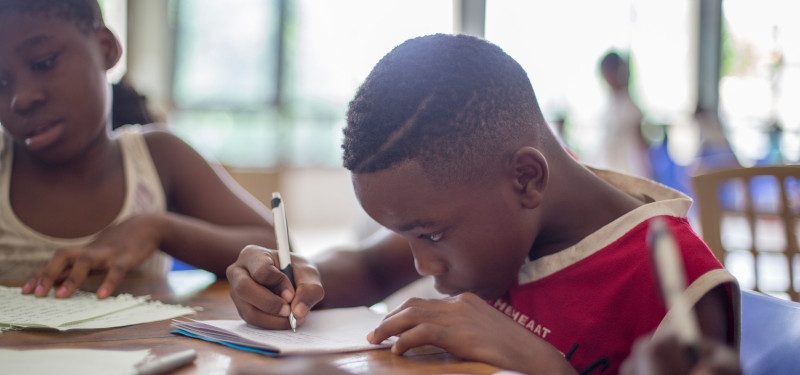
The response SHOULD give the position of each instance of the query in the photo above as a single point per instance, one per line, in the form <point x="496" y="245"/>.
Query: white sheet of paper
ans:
<point x="152" y="311"/>
<point x="27" y="310"/>
<point x="324" y="331"/>
<point x="70" y="361"/>
<point x="81" y="311"/>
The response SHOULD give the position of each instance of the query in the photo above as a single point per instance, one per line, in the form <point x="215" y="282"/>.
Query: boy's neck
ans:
<point x="580" y="203"/>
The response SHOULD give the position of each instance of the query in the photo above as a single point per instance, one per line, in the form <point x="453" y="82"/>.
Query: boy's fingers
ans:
<point x="419" y="314"/>
<point x="262" y="267"/>
<point x="309" y="287"/>
<point x="423" y="334"/>
<point x="394" y="325"/>
<point x="307" y="296"/>
<point x="719" y="359"/>
<point x="256" y="317"/>
<point x="269" y="276"/>
<point x="253" y="256"/>
<point x="258" y="305"/>
<point x="262" y="293"/>
<point x="264" y="270"/>
<point x="250" y="292"/>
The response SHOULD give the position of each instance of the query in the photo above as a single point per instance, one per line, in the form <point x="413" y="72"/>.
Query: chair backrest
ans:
<point x="259" y="183"/>
<point x="748" y="217"/>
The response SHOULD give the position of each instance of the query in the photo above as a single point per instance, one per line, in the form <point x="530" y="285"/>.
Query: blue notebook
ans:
<point x="324" y="331"/>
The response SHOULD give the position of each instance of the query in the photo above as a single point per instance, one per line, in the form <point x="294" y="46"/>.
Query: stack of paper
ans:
<point x="324" y="331"/>
<point x="81" y="311"/>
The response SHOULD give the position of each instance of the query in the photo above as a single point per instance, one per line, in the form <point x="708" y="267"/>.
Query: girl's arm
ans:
<point x="211" y="217"/>
<point x="209" y="221"/>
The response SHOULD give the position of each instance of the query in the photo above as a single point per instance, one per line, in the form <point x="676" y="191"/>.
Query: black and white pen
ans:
<point x="165" y="364"/>
<point x="284" y="249"/>
<point x="672" y="280"/>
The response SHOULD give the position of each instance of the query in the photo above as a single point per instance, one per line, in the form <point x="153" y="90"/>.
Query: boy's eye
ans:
<point x="44" y="64"/>
<point x="433" y="237"/>
<point x="3" y="83"/>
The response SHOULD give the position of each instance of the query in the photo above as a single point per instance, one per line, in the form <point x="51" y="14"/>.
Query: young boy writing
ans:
<point x="544" y="259"/>
<point x="77" y="198"/>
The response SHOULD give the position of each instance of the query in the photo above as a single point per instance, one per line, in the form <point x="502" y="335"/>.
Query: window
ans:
<point x="760" y="84"/>
<point x="224" y="81"/>
<point x="560" y="44"/>
<point x="266" y="83"/>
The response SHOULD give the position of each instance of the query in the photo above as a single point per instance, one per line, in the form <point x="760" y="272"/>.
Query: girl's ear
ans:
<point x="531" y="175"/>
<point x="110" y="47"/>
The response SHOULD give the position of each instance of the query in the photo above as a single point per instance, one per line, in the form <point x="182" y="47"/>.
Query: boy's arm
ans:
<point x="381" y="265"/>
<point x="354" y="277"/>
<point x="713" y="315"/>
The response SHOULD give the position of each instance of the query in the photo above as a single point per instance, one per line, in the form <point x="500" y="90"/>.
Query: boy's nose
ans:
<point x="427" y="264"/>
<point x="26" y="98"/>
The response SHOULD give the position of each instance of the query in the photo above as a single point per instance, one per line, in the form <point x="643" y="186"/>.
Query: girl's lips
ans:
<point x="44" y="136"/>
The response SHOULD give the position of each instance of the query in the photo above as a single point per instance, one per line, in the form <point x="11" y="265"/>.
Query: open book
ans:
<point x="324" y="331"/>
<point x="81" y="311"/>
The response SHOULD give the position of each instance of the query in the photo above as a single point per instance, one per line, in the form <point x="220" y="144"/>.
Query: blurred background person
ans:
<point x="624" y="148"/>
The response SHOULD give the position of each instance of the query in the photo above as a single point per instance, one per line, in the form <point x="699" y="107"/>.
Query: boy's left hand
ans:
<point x="468" y="327"/>
<point x="116" y="250"/>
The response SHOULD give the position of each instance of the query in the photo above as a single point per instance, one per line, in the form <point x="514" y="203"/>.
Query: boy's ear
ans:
<point x="110" y="47"/>
<point x="530" y="176"/>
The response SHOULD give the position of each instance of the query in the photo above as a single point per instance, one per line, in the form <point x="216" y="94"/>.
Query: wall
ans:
<point x="321" y="207"/>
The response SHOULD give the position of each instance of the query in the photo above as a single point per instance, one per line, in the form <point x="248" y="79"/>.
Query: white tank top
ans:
<point x="24" y="250"/>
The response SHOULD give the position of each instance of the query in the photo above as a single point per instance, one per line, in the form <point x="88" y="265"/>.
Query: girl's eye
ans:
<point x="44" y="64"/>
<point x="433" y="237"/>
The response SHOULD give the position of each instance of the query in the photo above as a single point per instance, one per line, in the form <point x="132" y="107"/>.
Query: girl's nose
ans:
<point x="27" y="95"/>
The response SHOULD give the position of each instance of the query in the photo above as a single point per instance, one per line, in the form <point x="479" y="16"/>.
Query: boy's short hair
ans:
<point x="454" y="103"/>
<point x="85" y="13"/>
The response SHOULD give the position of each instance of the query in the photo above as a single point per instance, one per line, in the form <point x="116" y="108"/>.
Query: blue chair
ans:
<point x="177" y="265"/>
<point x="770" y="342"/>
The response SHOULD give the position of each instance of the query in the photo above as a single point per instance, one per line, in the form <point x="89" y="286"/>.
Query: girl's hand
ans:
<point x="116" y="250"/>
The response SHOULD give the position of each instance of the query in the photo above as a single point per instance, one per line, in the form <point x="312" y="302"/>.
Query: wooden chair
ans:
<point x="748" y="217"/>
<point x="258" y="182"/>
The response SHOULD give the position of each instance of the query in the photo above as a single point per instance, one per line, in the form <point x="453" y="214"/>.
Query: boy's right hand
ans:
<point x="263" y="295"/>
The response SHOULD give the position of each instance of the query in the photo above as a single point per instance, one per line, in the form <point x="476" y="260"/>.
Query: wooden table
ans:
<point x="197" y="288"/>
